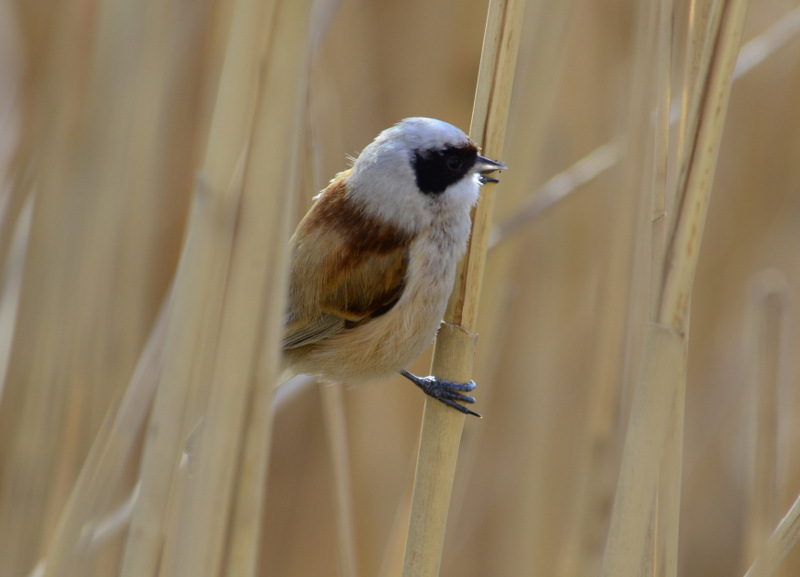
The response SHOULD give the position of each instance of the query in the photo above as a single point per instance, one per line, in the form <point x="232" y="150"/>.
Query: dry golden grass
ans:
<point x="155" y="155"/>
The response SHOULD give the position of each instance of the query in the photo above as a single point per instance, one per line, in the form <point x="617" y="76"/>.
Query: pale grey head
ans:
<point x="418" y="170"/>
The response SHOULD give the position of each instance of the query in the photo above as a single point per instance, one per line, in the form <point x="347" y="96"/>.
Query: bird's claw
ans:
<point x="447" y="392"/>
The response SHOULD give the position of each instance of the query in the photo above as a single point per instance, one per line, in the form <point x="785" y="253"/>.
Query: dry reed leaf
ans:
<point x="183" y="381"/>
<point x="34" y="396"/>
<point x="779" y="544"/>
<point x="69" y="550"/>
<point x="541" y="55"/>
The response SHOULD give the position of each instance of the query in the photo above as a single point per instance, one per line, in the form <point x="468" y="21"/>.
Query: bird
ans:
<point x="373" y="261"/>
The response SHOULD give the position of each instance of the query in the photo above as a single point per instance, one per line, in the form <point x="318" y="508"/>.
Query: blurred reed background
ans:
<point x="162" y="147"/>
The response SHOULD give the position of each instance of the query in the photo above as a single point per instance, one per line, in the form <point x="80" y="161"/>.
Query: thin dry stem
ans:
<point x="557" y="189"/>
<point x="667" y="517"/>
<point x="665" y="18"/>
<point x="336" y="427"/>
<point x="605" y="156"/>
<point x="780" y="543"/>
<point x="701" y="133"/>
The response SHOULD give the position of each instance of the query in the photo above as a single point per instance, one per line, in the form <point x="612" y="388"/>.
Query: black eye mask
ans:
<point x="435" y="170"/>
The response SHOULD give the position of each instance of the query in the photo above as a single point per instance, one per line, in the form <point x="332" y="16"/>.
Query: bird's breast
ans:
<point x="379" y="348"/>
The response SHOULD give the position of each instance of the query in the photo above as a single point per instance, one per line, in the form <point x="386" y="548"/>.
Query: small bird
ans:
<point x="374" y="260"/>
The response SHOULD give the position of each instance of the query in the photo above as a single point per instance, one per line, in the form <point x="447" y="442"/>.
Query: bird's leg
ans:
<point x="447" y="392"/>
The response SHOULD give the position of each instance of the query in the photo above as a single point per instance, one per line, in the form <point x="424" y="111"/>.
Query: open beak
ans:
<point x="485" y="165"/>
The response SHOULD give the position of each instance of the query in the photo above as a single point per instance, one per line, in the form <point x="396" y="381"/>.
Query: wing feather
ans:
<point x="347" y="268"/>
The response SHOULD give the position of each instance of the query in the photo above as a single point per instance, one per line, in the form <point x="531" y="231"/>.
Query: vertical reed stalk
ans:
<point x="658" y="401"/>
<point x="253" y="302"/>
<point x="667" y="514"/>
<point x="767" y="339"/>
<point x="455" y="345"/>
<point x="536" y="83"/>
<point x="336" y="427"/>
<point x="222" y="342"/>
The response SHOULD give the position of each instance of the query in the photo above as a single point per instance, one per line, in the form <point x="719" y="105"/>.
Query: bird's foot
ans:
<point x="447" y="392"/>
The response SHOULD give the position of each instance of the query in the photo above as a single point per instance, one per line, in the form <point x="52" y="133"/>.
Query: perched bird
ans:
<point x="374" y="260"/>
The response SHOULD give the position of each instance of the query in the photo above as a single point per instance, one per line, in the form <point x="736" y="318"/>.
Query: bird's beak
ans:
<point x="485" y="165"/>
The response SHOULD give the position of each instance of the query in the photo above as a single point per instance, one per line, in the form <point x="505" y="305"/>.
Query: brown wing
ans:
<point x="346" y="268"/>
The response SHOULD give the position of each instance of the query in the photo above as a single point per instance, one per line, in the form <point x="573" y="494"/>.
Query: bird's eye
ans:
<point x="454" y="163"/>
